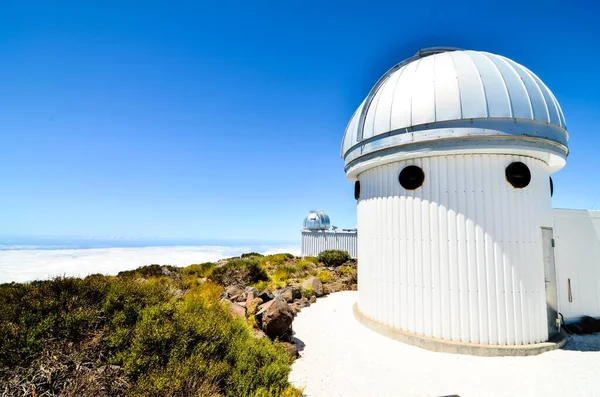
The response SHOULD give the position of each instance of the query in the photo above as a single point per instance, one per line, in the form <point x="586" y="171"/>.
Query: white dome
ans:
<point x="317" y="220"/>
<point x="457" y="94"/>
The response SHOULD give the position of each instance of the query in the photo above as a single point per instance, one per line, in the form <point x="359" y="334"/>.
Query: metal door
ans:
<point x="550" y="280"/>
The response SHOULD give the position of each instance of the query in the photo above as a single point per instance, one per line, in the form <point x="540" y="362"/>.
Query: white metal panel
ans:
<point x="456" y="85"/>
<point x="577" y="252"/>
<point x="459" y="258"/>
<point x="447" y="96"/>
<point x="496" y="93"/>
<point x="423" y="98"/>
<point x="384" y="105"/>
<point x="316" y="241"/>
<point x="402" y="102"/>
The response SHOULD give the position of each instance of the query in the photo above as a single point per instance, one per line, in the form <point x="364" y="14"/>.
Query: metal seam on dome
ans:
<point x="412" y="91"/>
<point x="546" y="92"/>
<point x="434" y="101"/>
<point x="527" y="95"/>
<point x="511" y="68"/>
<point x="401" y="72"/>
<point x="510" y="103"/>
<point x="457" y="86"/>
<point x="539" y="89"/>
<point x="487" y="107"/>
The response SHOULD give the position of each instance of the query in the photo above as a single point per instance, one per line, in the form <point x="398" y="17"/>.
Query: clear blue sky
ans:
<point x="224" y="119"/>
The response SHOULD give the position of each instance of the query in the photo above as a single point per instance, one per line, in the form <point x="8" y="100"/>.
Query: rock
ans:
<point x="250" y="296"/>
<point x="253" y="307"/>
<point x="312" y="299"/>
<point x="291" y="349"/>
<point x="263" y="307"/>
<point x="237" y="310"/>
<point x="277" y="319"/>
<point x="334" y="287"/>
<point x="315" y="284"/>
<point x="258" y="334"/>
<point x="291" y="293"/>
<point x="252" y="290"/>
<point x="235" y="293"/>
<point x="266" y="295"/>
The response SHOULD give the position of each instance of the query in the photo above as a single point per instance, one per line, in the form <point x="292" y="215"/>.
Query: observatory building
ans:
<point x="451" y="154"/>
<point x="318" y="236"/>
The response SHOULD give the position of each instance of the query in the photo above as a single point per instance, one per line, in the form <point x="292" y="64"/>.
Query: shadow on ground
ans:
<point x="583" y="343"/>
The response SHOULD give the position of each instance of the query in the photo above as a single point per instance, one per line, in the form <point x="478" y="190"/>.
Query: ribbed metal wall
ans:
<point x="314" y="242"/>
<point x="459" y="258"/>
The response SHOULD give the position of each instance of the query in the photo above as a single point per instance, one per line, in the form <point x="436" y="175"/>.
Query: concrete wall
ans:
<point x="577" y="256"/>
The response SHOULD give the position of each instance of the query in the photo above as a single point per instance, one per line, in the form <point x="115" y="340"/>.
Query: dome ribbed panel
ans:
<point x="538" y="103"/>
<point x="402" y="102"/>
<point x="452" y="86"/>
<point x="447" y="98"/>
<point x="384" y="105"/>
<point x="472" y="94"/>
<point x="423" y="98"/>
<point x="520" y="105"/>
<point x="496" y="93"/>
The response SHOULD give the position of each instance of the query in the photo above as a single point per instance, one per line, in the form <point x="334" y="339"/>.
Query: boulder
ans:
<point x="237" y="310"/>
<point x="252" y="308"/>
<point x="312" y="299"/>
<point x="277" y="319"/>
<point x="258" y="334"/>
<point x="291" y="349"/>
<point x="266" y="295"/>
<point x="235" y="293"/>
<point x="315" y="284"/>
<point x="291" y="293"/>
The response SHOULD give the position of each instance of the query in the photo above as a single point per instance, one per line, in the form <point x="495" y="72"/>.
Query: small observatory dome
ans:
<point x="444" y="98"/>
<point x="317" y="220"/>
<point x="451" y="154"/>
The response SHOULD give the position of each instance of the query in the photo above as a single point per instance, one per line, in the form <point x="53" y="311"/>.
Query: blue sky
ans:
<point x="222" y="119"/>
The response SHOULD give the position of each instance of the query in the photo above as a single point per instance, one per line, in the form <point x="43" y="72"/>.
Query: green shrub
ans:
<point x="251" y="254"/>
<point x="324" y="275"/>
<point x="271" y="261"/>
<point x="240" y="271"/>
<point x="312" y="259"/>
<point x="308" y="292"/>
<point x="169" y="342"/>
<point x="333" y="257"/>
<point x="150" y="271"/>
<point x="304" y="264"/>
<point x="347" y="271"/>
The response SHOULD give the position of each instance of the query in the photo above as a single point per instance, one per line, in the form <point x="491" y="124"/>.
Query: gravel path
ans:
<point x="343" y="358"/>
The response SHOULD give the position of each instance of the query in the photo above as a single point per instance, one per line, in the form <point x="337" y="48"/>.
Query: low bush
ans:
<point x="160" y="339"/>
<point x="324" y="275"/>
<point x="333" y="258"/>
<point x="248" y="254"/>
<point x="240" y="271"/>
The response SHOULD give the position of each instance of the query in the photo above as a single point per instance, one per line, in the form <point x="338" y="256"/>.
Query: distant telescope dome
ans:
<point x="317" y="220"/>
<point x="447" y="99"/>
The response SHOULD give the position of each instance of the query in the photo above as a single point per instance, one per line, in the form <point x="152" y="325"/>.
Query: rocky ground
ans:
<point x="272" y="311"/>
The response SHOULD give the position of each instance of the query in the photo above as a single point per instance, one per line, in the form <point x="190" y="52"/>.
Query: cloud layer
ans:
<point x="28" y="265"/>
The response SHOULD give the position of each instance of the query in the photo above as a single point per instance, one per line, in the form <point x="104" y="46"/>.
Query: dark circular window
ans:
<point x="551" y="186"/>
<point x="357" y="190"/>
<point x="411" y="177"/>
<point x="518" y="174"/>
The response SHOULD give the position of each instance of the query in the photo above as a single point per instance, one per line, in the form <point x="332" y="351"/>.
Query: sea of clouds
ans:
<point x="23" y="265"/>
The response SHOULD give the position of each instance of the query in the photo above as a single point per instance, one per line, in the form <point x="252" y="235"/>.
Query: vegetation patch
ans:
<point x="333" y="258"/>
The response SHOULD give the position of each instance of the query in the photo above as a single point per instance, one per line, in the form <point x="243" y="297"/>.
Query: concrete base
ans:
<point x="440" y="345"/>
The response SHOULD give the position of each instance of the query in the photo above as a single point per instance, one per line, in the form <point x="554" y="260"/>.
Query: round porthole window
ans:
<point x="551" y="186"/>
<point x="518" y="175"/>
<point x="411" y="177"/>
<point x="357" y="190"/>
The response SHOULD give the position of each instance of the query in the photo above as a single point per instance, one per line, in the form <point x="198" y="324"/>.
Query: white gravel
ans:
<point x="343" y="358"/>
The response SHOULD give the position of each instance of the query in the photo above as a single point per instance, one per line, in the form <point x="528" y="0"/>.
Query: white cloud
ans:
<point x="31" y="264"/>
